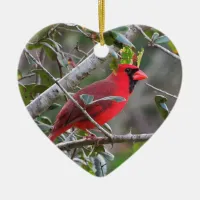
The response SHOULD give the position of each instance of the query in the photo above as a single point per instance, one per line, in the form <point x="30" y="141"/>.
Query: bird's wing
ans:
<point x="70" y="113"/>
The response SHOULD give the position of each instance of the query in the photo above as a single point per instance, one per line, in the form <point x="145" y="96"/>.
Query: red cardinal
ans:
<point x="120" y="84"/>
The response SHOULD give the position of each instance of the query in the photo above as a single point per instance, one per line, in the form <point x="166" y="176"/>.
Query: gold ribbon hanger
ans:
<point x="101" y="11"/>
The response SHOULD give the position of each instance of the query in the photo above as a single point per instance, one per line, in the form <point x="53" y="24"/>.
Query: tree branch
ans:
<point x="104" y="140"/>
<point x="69" y="81"/>
<point x="162" y="91"/>
<point x="70" y="97"/>
<point x="157" y="45"/>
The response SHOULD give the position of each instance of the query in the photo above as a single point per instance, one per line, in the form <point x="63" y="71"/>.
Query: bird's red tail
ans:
<point x="52" y="137"/>
<point x="55" y="133"/>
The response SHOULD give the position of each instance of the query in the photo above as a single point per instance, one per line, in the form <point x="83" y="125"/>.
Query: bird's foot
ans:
<point x="91" y="136"/>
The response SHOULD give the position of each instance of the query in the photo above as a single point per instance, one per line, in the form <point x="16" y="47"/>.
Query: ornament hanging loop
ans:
<point x="101" y="10"/>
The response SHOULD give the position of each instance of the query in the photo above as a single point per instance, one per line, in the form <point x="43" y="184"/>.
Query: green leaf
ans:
<point x="93" y="152"/>
<point x="29" y="59"/>
<point x="81" y="133"/>
<point x="88" y="167"/>
<point x="122" y="29"/>
<point x="149" y="32"/>
<point x="62" y="60"/>
<point x="126" y="55"/>
<point x="107" y="155"/>
<point x="111" y="98"/>
<point x="114" y="65"/>
<point x="80" y="161"/>
<point x="54" y="106"/>
<point x="26" y="92"/>
<point x="87" y="99"/>
<point x="109" y="38"/>
<point x="25" y="97"/>
<point x="44" y="127"/>
<point x="49" y="50"/>
<point x="122" y="39"/>
<point x="113" y="53"/>
<point x="162" y="39"/>
<point x="45" y="79"/>
<point x="38" y="89"/>
<point x="29" y="91"/>
<point x="117" y="39"/>
<point x="155" y="36"/>
<point x="45" y="120"/>
<point x="172" y="47"/>
<point x="54" y="43"/>
<point x="107" y="126"/>
<point x="100" y="166"/>
<point x="139" y="57"/>
<point x="87" y="163"/>
<point x="34" y="41"/>
<point x="99" y="148"/>
<point x="161" y="105"/>
<point x="31" y="46"/>
<point x="84" y="154"/>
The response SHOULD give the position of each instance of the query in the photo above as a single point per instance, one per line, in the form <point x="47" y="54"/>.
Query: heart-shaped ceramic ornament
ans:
<point x="99" y="111"/>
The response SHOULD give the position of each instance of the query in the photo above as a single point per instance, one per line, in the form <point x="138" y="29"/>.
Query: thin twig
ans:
<point x="70" y="97"/>
<point x="167" y="51"/>
<point x="88" y="36"/>
<point x="104" y="140"/>
<point x="162" y="91"/>
<point x="92" y="150"/>
<point x="77" y="48"/>
<point x="59" y="68"/>
<point x="52" y="30"/>
<point x="67" y="29"/>
<point x="85" y="56"/>
<point x="27" y="76"/>
<point x="157" y="45"/>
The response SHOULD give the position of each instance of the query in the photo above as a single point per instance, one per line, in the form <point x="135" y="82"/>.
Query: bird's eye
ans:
<point x="127" y="70"/>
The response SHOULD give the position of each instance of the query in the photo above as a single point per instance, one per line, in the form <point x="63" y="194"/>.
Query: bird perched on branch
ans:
<point x="71" y="63"/>
<point x="121" y="84"/>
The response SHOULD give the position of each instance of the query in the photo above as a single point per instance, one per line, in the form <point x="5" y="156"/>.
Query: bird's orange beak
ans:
<point x="139" y="75"/>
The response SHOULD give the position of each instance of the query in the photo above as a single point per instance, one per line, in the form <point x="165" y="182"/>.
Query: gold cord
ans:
<point x="101" y="20"/>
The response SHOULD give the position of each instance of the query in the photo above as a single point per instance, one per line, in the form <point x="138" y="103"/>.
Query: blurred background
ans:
<point x="140" y="114"/>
